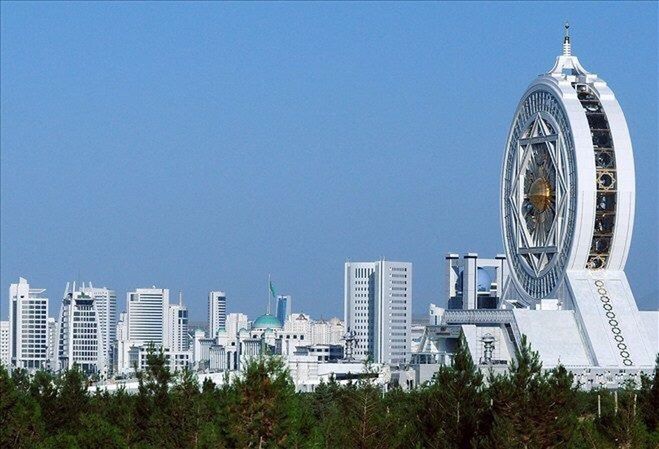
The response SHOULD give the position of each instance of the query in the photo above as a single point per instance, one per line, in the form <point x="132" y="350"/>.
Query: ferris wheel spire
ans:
<point x="567" y="46"/>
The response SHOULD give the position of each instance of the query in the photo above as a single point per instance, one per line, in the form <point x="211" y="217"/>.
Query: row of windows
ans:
<point x="363" y="272"/>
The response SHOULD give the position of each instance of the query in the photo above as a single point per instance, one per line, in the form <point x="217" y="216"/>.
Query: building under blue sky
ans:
<point x="202" y="146"/>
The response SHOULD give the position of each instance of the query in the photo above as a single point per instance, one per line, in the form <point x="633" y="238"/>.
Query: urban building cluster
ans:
<point x="567" y="211"/>
<point x="106" y="344"/>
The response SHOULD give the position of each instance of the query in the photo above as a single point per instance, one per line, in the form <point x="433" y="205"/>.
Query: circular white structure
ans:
<point x="567" y="189"/>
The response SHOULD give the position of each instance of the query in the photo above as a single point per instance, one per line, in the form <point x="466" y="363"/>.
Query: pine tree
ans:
<point x="452" y="404"/>
<point x="531" y="408"/>
<point x="623" y="424"/>
<point x="72" y="400"/>
<point x="21" y="424"/>
<point x="260" y="415"/>
<point x="43" y="389"/>
<point x="184" y="411"/>
<point x="649" y="399"/>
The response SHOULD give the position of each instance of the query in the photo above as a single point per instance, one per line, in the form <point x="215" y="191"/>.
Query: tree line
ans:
<point x="461" y="408"/>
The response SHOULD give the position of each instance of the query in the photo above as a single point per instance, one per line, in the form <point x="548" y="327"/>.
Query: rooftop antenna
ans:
<point x="180" y="298"/>
<point x="567" y="47"/>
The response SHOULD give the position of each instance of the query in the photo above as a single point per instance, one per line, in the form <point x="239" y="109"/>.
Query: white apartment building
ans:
<point x="106" y="307"/>
<point x="28" y="329"/>
<point x="5" y="358"/>
<point x="80" y="336"/>
<point x="147" y="316"/>
<point x="327" y="332"/>
<point x="178" y="340"/>
<point x="217" y="312"/>
<point x="378" y="309"/>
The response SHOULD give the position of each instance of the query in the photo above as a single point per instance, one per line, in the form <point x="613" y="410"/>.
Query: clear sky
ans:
<point x="201" y="146"/>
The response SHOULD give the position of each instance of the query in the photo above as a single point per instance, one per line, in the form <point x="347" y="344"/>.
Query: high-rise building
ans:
<point x="53" y="350"/>
<point x="5" y="358"/>
<point x="217" y="312"/>
<point x="283" y="307"/>
<point x="378" y="309"/>
<point x="80" y="337"/>
<point x="147" y="316"/>
<point x="28" y="330"/>
<point x="178" y="327"/>
<point x="106" y="307"/>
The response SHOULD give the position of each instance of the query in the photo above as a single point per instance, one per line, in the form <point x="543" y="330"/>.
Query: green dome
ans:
<point x="267" y="321"/>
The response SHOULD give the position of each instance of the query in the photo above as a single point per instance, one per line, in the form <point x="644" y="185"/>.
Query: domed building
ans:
<point x="265" y="322"/>
<point x="262" y="336"/>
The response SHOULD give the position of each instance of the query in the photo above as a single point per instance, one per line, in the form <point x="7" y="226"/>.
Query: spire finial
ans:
<point x="567" y="47"/>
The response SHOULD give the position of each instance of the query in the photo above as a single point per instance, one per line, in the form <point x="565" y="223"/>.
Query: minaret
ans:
<point x="567" y="47"/>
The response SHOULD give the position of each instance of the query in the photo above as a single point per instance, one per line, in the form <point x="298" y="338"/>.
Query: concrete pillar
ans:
<point x="470" y="281"/>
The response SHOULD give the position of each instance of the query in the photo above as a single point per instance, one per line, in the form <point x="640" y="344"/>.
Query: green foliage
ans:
<point x="531" y="408"/>
<point x="21" y="423"/>
<point x="524" y="407"/>
<point x="453" y="404"/>
<point x="261" y="406"/>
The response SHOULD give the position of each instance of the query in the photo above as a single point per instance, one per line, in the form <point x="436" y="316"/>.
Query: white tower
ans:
<point x="178" y="326"/>
<point x="80" y="336"/>
<point x="28" y="330"/>
<point x="105" y="301"/>
<point x="567" y="208"/>
<point x="378" y="309"/>
<point x="147" y="312"/>
<point x="217" y="312"/>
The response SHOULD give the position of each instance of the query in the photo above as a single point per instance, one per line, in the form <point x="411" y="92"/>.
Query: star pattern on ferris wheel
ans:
<point x="539" y="194"/>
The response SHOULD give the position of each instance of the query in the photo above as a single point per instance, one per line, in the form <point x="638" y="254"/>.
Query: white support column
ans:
<point x="469" y="281"/>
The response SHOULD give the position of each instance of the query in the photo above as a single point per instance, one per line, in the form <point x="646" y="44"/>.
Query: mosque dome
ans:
<point x="267" y="321"/>
<point x="483" y="280"/>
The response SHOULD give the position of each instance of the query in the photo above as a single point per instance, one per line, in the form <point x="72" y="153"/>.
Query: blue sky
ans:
<point x="202" y="146"/>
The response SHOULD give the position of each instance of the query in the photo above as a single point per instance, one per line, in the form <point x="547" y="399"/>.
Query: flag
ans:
<point x="272" y="289"/>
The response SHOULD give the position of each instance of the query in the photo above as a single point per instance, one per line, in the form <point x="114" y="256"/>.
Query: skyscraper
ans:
<point x="178" y="327"/>
<point x="378" y="309"/>
<point x="147" y="316"/>
<point x="28" y="330"/>
<point x="5" y="358"/>
<point x="80" y="337"/>
<point x="217" y="312"/>
<point x="283" y="308"/>
<point x="106" y="307"/>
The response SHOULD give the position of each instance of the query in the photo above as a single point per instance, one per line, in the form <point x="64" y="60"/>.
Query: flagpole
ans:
<point x="269" y="293"/>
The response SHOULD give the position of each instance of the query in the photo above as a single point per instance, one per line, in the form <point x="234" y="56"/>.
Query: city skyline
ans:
<point x="332" y="199"/>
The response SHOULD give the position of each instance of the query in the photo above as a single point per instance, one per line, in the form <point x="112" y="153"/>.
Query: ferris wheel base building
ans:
<point x="567" y="212"/>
